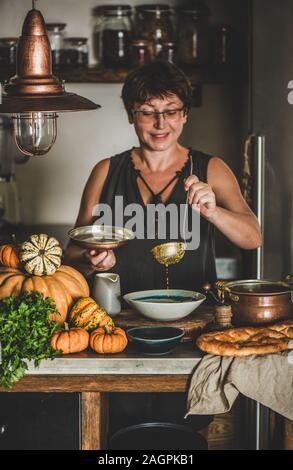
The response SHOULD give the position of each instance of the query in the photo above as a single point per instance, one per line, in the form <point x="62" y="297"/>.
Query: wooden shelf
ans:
<point x="197" y="75"/>
<point x="203" y="74"/>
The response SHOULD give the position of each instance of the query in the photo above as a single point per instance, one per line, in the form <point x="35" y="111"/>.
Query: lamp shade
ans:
<point x="34" y="88"/>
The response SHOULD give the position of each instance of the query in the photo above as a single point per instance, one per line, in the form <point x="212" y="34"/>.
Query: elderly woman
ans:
<point x="157" y="98"/>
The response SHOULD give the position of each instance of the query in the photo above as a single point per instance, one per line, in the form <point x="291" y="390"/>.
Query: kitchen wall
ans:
<point x="50" y="187"/>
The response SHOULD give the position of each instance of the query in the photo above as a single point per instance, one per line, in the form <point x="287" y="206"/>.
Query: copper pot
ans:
<point x="258" y="302"/>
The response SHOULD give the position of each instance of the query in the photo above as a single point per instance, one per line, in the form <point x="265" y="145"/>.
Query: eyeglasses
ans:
<point x="170" y="115"/>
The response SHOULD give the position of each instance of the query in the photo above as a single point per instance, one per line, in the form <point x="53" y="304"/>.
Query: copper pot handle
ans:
<point x="222" y="289"/>
<point x="207" y="288"/>
<point x="289" y="280"/>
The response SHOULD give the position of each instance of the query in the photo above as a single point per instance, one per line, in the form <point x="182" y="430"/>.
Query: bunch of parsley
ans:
<point x="25" y="334"/>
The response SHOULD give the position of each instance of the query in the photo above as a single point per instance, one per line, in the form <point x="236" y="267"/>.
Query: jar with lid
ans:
<point x="75" y="53"/>
<point x="8" y="52"/>
<point x="140" y="52"/>
<point x="155" y="23"/>
<point x="113" y="33"/>
<point x="56" y="33"/>
<point x="194" y="34"/>
<point x="223" y="39"/>
<point x="168" y="52"/>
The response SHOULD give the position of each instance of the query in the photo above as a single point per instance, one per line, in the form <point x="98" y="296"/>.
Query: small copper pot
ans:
<point x="258" y="302"/>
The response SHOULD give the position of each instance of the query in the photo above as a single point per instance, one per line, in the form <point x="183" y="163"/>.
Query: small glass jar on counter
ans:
<point x="8" y="52"/>
<point x="194" y="34"/>
<point x="113" y="33"/>
<point x="75" y="53"/>
<point x="140" y="52"/>
<point x="155" y="23"/>
<point x="56" y="32"/>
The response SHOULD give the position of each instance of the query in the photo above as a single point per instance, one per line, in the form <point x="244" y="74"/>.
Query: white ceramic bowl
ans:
<point x="163" y="304"/>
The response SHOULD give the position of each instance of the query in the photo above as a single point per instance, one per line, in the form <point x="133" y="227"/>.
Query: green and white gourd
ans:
<point x="41" y="255"/>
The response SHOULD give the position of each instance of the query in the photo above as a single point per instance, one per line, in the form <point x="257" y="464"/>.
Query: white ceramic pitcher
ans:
<point x="106" y="292"/>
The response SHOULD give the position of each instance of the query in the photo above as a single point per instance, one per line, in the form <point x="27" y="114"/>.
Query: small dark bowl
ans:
<point x="155" y="339"/>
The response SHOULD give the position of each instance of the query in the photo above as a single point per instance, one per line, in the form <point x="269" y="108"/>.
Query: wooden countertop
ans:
<point x="181" y="360"/>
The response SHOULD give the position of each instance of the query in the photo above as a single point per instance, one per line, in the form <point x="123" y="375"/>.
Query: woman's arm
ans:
<point x="220" y="201"/>
<point x="83" y="260"/>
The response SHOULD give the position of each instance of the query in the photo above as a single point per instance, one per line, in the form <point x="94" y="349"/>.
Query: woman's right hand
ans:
<point x="101" y="260"/>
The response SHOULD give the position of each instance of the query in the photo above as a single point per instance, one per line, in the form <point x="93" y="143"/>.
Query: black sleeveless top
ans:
<point x="135" y="264"/>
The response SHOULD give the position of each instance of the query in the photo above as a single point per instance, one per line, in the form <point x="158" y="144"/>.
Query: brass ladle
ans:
<point x="169" y="253"/>
<point x="173" y="252"/>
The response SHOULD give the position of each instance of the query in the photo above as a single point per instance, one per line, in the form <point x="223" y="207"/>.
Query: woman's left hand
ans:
<point x="201" y="196"/>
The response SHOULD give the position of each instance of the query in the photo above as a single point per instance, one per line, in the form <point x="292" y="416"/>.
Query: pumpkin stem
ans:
<point x="66" y="327"/>
<point x="108" y="329"/>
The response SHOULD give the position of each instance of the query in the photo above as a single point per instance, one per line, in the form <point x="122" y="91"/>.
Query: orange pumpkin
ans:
<point x="65" y="286"/>
<point x="72" y="340"/>
<point x="87" y="314"/>
<point x="9" y="256"/>
<point x="108" y="340"/>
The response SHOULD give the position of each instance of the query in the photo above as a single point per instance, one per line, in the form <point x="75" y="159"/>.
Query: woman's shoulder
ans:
<point x="201" y="162"/>
<point x="200" y="155"/>
<point x="102" y="167"/>
<point x="212" y="162"/>
<point x="220" y="172"/>
<point x="121" y="157"/>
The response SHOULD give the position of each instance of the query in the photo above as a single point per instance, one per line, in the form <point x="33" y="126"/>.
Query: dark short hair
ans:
<point x="156" y="80"/>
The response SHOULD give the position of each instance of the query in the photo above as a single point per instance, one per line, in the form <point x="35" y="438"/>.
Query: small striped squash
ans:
<point x="41" y="255"/>
<point x="87" y="314"/>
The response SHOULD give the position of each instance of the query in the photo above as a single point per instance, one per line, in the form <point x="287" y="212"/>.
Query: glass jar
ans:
<point x="113" y="33"/>
<point x="8" y="52"/>
<point x="97" y="30"/>
<point x="155" y="24"/>
<point x="168" y="52"/>
<point x="140" y="52"/>
<point x="223" y="44"/>
<point x="56" y="33"/>
<point x="193" y="34"/>
<point x="75" y="52"/>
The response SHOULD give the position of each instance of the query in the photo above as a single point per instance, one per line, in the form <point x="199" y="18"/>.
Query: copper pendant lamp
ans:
<point x="34" y="95"/>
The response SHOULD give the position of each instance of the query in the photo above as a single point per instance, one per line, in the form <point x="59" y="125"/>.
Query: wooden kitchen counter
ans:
<point x="94" y="376"/>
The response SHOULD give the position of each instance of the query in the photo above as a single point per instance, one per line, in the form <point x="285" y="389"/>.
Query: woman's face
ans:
<point x="158" y="132"/>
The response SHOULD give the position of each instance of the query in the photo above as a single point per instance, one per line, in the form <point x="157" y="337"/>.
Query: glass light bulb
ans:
<point x="35" y="133"/>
